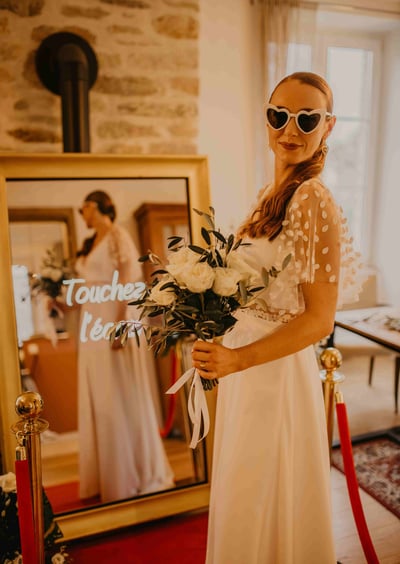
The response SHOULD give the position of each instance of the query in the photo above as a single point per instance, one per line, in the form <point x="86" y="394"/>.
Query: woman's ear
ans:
<point x="331" y="125"/>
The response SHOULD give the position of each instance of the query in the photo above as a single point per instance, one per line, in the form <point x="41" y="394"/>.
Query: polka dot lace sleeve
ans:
<point x="124" y="254"/>
<point x="317" y="236"/>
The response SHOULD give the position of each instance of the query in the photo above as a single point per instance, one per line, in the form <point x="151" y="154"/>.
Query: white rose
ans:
<point x="162" y="297"/>
<point x="248" y="274"/>
<point x="183" y="256"/>
<point x="17" y="560"/>
<point x="8" y="482"/>
<point x="56" y="274"/>
<point x="47" y="272"/>
<point x="58" y="559"/>
<point x="197" y="277"/>
<point x="226" y="281"/>
<point x="175" y="272"/>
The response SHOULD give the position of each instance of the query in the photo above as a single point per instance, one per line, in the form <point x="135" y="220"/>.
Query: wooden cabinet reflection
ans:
<point x="54" y="371"/>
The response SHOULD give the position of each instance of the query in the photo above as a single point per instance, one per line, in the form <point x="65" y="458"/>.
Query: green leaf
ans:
<point x="154" y="258"/>
<point x="255" y="289"/>
<point x="219" y="236"/>
<point x="154" y="313"/>
<point x="286" y="261"/>
<point x="168" y="285"/>
<point x="231" y="240"/>
<point x="111" y="334"/>
<point x="206" y="235"/>
<point x="243" y="291"/>
<point x="209" y="218"/>
<point x="124" y="337"/>
<point x="196" y="249"/>
<point x="265" y="277"/>
<point x="174" y="240"/>
<point x="237" y="245"/>
<point x="186" y="308"/>
<point x="136" y="336"/>
<point x="220" y="261"/>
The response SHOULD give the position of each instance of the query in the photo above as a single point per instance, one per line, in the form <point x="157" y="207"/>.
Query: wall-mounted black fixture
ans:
<point x="67" y="66"/>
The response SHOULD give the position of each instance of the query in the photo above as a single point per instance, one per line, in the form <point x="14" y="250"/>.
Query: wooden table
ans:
<point x="370" y="323"/>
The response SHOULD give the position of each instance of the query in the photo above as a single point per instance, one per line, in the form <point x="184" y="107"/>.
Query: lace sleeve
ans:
<point x="316" y="234"/>
<point x="124" y="255"/>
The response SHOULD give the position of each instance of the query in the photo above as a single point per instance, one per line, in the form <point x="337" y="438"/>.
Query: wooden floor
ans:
<point x="369" y="409"/>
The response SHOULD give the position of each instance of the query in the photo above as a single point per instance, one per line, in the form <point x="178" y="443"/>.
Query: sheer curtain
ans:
<point x="283" y="24"/>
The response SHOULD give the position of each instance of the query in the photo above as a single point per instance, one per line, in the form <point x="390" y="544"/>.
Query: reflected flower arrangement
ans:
<point x="49" y="281"/>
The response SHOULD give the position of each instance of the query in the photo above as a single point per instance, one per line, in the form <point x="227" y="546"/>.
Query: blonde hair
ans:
<point x="267" y="218"/>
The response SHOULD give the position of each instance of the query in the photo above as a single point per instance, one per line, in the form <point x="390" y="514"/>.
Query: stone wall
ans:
<point x="145" y="99"/>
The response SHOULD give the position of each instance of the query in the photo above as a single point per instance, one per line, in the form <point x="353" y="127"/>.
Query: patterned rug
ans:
<point x="377" y="464"/>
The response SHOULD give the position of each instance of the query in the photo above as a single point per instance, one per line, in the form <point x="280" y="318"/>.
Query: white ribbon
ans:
<point x="197" y="404"/>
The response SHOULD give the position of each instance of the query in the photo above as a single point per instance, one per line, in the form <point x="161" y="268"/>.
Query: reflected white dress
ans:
<point x="120" y="450"/>
<point x="270" y="493"/>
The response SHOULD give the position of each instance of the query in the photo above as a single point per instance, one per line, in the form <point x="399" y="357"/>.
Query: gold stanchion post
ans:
<point x="330" y="360"/>
<point x="29" y="406"/>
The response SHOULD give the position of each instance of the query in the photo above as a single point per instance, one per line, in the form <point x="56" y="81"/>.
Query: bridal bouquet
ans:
<point x="196" y="293"/>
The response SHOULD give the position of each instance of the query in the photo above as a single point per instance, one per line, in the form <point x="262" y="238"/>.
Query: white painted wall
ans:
<point x="229" y="85"/>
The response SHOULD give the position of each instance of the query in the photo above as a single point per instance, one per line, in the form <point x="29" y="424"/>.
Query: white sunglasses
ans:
<point x="306" y="121"/>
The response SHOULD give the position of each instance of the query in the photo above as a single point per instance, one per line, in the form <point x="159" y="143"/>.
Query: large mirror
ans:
<point x="117" y="449"/>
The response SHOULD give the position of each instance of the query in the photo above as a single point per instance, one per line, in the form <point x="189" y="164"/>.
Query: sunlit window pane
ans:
<point x="349" y="75"/>
<point x="349" y="72"/>
<point x="348" y="153"/>
<point x="346" y="172"/>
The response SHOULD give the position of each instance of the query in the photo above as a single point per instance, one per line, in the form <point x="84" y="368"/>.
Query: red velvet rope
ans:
<point x="25" y="512"/>
<point x="352" y="485"/>
<point x="172" y="398"/>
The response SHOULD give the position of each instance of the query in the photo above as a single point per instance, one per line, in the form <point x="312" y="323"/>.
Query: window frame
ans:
<point x="369" y="42"/>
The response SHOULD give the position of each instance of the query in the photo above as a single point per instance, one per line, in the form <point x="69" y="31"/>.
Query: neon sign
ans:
<point x="78" y="292"/>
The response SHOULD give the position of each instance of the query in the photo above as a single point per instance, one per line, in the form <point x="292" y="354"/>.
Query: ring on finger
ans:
<point x="202" y="364"/>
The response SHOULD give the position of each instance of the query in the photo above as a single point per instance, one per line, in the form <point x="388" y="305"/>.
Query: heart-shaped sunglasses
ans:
<point x="307" y="122"/>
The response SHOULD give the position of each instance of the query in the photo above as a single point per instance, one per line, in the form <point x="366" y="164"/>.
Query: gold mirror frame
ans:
<point x="194" y="169"/>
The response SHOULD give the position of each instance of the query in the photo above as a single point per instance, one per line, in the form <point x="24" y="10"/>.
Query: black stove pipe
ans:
<point x="67" y="66"/>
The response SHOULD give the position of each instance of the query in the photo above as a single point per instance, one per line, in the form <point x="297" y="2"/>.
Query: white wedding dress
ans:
<point x="120" y="450"/>
<point x="270" y="494"/>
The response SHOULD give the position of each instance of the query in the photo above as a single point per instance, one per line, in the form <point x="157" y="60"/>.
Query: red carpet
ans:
<point x="175" y="540"/>
<point x="65" y="497"/>
<point x="377" y="464"/>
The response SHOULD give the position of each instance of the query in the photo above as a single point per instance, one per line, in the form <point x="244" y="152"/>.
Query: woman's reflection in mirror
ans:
<point x="120" y="449"/>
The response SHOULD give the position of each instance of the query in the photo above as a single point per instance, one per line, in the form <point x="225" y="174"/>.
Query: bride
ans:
<point x="270" y="492"/>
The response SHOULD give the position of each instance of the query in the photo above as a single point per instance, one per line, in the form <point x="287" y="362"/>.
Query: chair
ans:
<point x="352" y="345"/>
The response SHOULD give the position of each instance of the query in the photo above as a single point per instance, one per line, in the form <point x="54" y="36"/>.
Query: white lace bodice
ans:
<point x="315" y="234"/>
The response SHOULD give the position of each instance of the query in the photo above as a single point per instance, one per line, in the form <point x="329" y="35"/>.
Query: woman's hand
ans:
<point x="214" y="361"/>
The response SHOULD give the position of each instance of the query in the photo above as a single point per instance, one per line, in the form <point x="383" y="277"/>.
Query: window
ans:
<point x="350" y="63"/>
